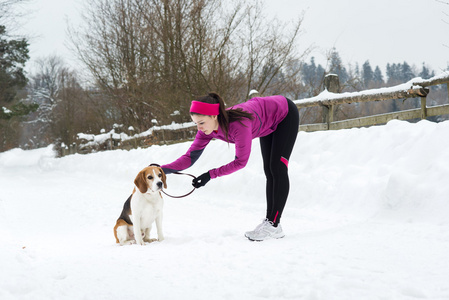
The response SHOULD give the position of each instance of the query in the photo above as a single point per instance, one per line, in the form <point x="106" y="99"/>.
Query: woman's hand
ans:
<point x="201" y="180"/>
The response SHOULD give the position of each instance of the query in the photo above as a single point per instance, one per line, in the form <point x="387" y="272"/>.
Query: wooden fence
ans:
<point x="328" y="100"/>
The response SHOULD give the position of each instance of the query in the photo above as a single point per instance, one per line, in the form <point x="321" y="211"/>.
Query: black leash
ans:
<point x="177" y="173"/>
<point x="182" y="196"/>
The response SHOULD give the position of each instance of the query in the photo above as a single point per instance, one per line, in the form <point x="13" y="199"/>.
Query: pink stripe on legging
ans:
<point x="284" y="160"/>
<point x="275" y="217"/>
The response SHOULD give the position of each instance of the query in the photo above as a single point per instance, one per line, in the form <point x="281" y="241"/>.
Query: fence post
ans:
<point x="72" y="148"/>
<point x="332" y="84"/>
<point x="111" y="143"/>
<point x="64" y="150"/>
<point x="253" y="93"/>
<point x="423" y="108"/>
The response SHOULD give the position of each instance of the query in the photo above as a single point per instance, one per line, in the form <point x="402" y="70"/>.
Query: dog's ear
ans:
<point x="141" y="182"/>
<point x="164" y="178"/>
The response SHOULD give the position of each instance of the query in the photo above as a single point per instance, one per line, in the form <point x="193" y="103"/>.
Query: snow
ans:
<point x="6" y="111"/>
<point x="367" y="218"/>
<point x="442" y="75"/>
<point x="253" y="92"/>
<point x="411" y="84"/>
<point x="93" y="139"/>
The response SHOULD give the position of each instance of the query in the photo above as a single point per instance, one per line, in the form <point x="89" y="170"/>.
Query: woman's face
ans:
<point x="206" y="124"/>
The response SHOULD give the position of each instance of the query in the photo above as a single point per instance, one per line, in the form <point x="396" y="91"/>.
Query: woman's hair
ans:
<point x="225" y="117"/>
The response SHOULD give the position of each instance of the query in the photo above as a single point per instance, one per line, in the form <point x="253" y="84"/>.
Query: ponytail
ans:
<point x="225" y="117"/>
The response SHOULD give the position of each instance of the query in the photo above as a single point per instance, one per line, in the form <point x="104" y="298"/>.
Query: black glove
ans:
<point x="201" y="180"/>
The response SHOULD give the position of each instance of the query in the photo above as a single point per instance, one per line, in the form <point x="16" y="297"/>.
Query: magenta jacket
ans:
<point x="267" y="113"/>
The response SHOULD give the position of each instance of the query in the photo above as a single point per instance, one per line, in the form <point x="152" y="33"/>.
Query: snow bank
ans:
<point x="366" y="219"/>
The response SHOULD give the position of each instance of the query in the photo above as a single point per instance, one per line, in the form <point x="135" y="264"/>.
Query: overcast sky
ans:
<point x="381" y="31"/>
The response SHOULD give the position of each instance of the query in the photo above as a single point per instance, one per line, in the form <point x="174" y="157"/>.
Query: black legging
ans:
<point x="276" y="149"/>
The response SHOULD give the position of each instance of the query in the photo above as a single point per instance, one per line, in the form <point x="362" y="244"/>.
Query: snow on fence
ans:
<point x="328" y="99"/>
<point x="117" y="138"/>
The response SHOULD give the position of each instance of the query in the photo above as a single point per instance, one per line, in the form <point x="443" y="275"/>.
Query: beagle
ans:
<point x="142" y="208"/>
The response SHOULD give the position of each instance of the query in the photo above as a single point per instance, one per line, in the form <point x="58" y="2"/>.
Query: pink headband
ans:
<point x="206" y="109"/>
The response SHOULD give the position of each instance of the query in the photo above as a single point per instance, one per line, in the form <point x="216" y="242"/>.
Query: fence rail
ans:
<point x="328" y="100"/>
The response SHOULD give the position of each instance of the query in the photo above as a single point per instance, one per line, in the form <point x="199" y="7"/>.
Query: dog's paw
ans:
<point x="140" y="242"/>
<point x="127" y="242"/>
<point x="150" y="240"/>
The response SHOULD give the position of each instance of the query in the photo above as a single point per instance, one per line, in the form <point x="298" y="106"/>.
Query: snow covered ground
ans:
<point x="367" y="218"/>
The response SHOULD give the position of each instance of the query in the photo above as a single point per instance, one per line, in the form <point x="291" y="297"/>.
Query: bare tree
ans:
<point x="447" y="16"/>
<point x="152" y="56"/>
<point x="65" y="108"/>
<point x="12" y="13"/>
<point x="270" y="50"/>
<point x="115" y="45"/>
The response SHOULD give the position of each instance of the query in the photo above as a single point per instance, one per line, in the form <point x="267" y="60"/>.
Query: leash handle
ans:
<point x="182" y="196"/>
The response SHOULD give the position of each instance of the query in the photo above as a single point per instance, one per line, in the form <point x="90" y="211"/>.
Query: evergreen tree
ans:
<point x="406" y="72"/>
<point x="312" y="76"/>
<point x="357" y="70"/>
<point x="389" y="72"/>
<point x="13" y="55"/>
<point x="425" y="72"/>
<point x="367" y="74"/>
<point x="336" y="66"/>
<point x="320" y="72"/>
<point x="394" y="74"/>
<point x="378" y="78"/>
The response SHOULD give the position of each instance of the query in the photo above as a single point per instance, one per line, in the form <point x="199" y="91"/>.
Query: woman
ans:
<point x="274" y="120"/>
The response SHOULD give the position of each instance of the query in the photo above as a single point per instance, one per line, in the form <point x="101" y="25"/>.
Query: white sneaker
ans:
<point x="265" y="231"/>
<point x="248" y="233"/>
